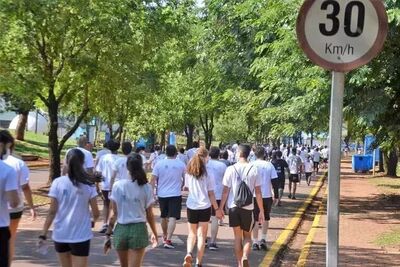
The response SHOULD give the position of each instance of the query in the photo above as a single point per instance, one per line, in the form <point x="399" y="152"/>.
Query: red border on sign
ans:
<point x="342" y="67"/>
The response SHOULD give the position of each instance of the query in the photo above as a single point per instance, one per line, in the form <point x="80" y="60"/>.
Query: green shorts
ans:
<point x="131" y="236"/>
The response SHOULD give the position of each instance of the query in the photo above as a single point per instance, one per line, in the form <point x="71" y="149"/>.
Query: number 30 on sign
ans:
<point x="342" y="35"/>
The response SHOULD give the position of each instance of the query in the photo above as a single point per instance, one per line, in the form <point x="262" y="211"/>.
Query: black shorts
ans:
<point x="281" y="183"/>
<point x="213" y="210"/>
<point x="106" y="195"/>
<point x="196" y="216"/>
<point x="294" y="178"/>
<point x="242" y="218"/>
<point x="308" y="174"/>
<point x="15" y="215"/>
<point x="267" y="204"/>
<point x="80" y="249"/>
<point x="316" y="164"/>
<point x="325" y="160"/>
<point x="170" y="207"/>
<point x="4" y="245"/>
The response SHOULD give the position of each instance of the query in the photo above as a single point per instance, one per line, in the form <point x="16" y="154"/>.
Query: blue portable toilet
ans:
<point x="172" y="138"/>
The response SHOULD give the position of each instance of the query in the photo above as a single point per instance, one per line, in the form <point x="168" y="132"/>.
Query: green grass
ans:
<point x="36" y="144"/>
<point x="387" y="185"/>
<point x="391" y="238"/>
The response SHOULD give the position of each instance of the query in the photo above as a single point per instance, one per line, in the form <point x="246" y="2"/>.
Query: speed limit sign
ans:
<point x="342" y="35"/>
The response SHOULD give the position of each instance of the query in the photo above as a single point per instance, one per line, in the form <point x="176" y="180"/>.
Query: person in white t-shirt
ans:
<point x="241" y="218"/>
<point x="295" y="164"/>
<point x="71" y="196"/>
<point x="325" y="155"/>
<point x="120" y="171"/>
<point x="200" y="199"/>
<point x="23" y="188"/>
<point x="316" y="157"/>
<point x="191" y="152"/>
<point x="308" y="168"/>
<point x="106" y="168"/>
<point x="216" y="170"/>
<point x="101" y="153"/>
<point x="167" y="178"/>
<point x="182" y="156"/>
<point x="8" y="198"/>
<point x="132" y="204"/>
<point x="269" y="180"/>
<point x="153" y="157"/>
<point x="89" y="161"/>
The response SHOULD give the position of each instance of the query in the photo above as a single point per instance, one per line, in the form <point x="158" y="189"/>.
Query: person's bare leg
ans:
<point x="294" y="189"/>
<point x="246" y="244"/>
<point x="136" y="257"/>
<point x="201" y="240"/>
<point x="255" y="232"/>
<point x="290" y="188"/>
<point x="264" y="230"/>
<point x="13" y="230"/>
<point x="238" y="234"/>
<point x="106" y="211"/>
<point x="171" y="227"/>
<point x="123" y="257"/>
<point x="79" y="261"/>
<point x="191" y="240"/>
<point x="164" y="227"/>
<point x="65" y="259"/>
<point x="214" y="229"/>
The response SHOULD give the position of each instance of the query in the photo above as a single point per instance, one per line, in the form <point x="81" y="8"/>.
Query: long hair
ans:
<point x="76" y="171"/>
<point x="197" y="166"/>
<point x="6" y="138"/>
<point x="134" y="164"/>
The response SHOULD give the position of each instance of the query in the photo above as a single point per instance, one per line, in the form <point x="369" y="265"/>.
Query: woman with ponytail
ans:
<point x="132" y="205"/>
<point x="71" y="196"/>
<point x="201" y="196"/>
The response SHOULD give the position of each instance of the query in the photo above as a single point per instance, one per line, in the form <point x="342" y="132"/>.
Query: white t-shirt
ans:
<point x="316" y="156"/>
<point x="170" y="173"/>
<point x="153" y="159"/>
<point x="132" y="201"/>
<point x="303" y="155"/>
<point x="72" y="223"/>
<point x="88" y="163"/>
<point x="231" y="179"/>
<point x="101" y="153"/>
<point x="183" y="157"/>
<point x="106" y="167"/>
<point x="144" y="160"/>
<point x="308" y="166"/>
<point x="22" y="171"/>
<point x="267" y="172"/>
<point x="216" y="169"/>
<point x="8" y="182"/>
<point x="231" y="156"/>
<point x="198" y="191"/>
<point x="120" y="168"/>
<point x="191" y="152"/>
<point x="325" y="153"/>
<point x="294" y="163"/>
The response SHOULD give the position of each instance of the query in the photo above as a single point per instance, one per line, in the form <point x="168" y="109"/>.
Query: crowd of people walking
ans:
<point x="241" y="182"/>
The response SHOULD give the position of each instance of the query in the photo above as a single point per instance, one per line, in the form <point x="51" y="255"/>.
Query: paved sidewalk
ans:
<point x="364" y="215"/>
<point x="26" y="255"/>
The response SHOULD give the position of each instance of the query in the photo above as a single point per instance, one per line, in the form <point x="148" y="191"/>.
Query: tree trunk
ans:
<point x="54" y="152"/>
<point x="21" y="126"/>
<point x="312" y="138"/>
<point x="381" y="165"/>
<point x="189" y="130"/>
<point x="391" y="163"/>
<point x="163" y="140"/>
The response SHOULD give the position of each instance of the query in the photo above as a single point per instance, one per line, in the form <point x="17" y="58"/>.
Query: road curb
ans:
<point x="310" y="237"/>
<point x="287" y="234"/>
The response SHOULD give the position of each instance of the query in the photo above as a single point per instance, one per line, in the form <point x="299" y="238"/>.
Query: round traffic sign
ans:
<point x="342" y="35"/>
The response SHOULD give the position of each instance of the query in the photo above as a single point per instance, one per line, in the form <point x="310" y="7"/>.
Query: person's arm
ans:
<point x="154" y="180"/>
<point x="261" y="218"/>
<point x="114" y="174"/>
<point x="152" y="224"/>
<point x="112" y="218"/>
<point x="28" y="197"/>
<point x="225" y="193"/>
<point x="218" y="211"/>
<point x="50" y="217"/>
<point x="12" y="198"/>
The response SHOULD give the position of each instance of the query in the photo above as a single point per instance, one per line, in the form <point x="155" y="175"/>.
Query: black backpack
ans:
<point x="243" y="195"/>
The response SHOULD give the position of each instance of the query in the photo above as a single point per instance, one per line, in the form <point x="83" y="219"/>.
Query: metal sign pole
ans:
<point x="335" y="134"/>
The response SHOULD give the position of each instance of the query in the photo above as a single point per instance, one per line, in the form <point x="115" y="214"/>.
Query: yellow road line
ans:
<point x="289" y="231"/>
<point x="311" y="234"/>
